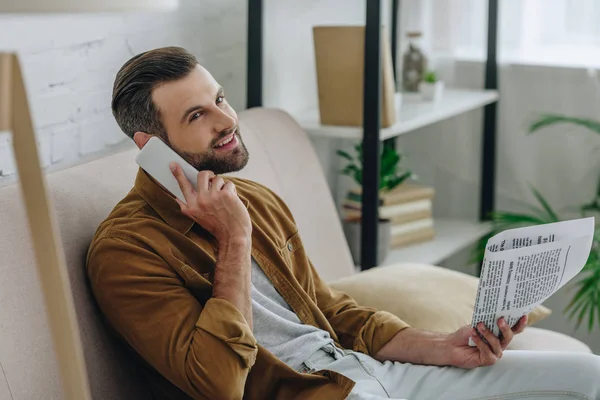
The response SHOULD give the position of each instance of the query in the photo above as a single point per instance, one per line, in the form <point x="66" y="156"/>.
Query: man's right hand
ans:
<point x="215" y="205"/>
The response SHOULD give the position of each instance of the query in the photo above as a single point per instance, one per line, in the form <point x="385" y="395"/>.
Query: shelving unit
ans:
<point x="451" y="235"/>
<point x="414" y="114"/>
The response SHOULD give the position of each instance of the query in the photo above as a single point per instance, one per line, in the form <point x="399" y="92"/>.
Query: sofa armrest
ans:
<point x="546" y="340"/>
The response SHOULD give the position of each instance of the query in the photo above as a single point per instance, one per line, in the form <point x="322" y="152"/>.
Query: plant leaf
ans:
<point x="598" y="306"/>
<point x="345" y="155"/>
<point x="397" y="180"/>
<point x="359" y="151"/>
<point x="389" y="163"/>
<point x="515" y="219"/>
<point x="539" y="212"/>
<point x="586" y="302"/>
<point x="349" y="169"/>
<point x="354" y="172"/>
<point x="358" y="176"/>
<point x="585" y="285"/>
<point x="545" y="204"/>
<point x="592" y="313"/>
<point x="552" y="119"/>
<point x="574" y="308"/>
<point x="582" y="314"/>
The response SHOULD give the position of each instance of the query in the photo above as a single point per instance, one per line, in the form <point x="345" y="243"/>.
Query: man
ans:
<point x="206" y="295"/>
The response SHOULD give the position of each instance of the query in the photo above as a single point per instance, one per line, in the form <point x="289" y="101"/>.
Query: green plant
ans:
<point x="391" y="173"/>
<point x="585" y="305"/>
<point x="430" y="77"/>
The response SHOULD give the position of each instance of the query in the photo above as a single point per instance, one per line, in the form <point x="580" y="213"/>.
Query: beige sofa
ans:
<point x="281" y="157"/>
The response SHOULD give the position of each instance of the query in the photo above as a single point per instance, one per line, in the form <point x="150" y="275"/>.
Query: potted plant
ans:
<point x="431" y="88"/>
<point x="391" y="175"/>
<point x="585" y="305"/>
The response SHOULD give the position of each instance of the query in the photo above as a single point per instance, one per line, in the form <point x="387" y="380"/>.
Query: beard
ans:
<point x="212" y="160"/>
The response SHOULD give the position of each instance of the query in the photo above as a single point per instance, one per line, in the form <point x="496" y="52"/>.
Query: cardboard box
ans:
<point x="339" y="55"/>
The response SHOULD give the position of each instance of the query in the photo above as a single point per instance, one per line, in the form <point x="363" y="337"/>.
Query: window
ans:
<point x="530" y="31"/>
<point x="582" y="21"/>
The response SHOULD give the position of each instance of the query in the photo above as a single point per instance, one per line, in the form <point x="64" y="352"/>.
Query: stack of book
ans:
<point x="407" y="206"/>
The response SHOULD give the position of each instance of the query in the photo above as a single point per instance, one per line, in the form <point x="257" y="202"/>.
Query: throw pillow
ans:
<point x="424" y="296"/>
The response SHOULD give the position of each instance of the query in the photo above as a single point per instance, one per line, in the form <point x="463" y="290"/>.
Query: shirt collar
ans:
<point x="164" y="202"/>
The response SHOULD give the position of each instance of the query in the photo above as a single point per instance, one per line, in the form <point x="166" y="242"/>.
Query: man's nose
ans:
<point x="223" y="121"/>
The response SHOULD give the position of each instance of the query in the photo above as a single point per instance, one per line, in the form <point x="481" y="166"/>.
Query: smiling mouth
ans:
<point x="227" y="143"/>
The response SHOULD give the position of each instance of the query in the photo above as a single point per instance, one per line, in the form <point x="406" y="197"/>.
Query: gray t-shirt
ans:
<point x="277" y="328"/>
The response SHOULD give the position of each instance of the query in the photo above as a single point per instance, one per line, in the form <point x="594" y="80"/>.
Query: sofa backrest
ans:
<point x="281" y="157"/>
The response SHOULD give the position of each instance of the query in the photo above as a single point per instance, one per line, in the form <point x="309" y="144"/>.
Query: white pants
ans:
<point x="518" y="375"/>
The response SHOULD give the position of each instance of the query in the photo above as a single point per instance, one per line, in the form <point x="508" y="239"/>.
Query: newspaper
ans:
<point x="523" y="267"/>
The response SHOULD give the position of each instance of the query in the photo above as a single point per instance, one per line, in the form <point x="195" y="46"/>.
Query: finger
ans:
<point x="507" y="333"/>
<point x="182" y="206"/>
<point x="217" y="183"/>
<point x="487" y="356"/>
<point x="230" y="186"/>
<point x="184" y="184"/>
<point x="493" y="341"/>
<point x="521" y="325"/>
<point x="203" y="180"/>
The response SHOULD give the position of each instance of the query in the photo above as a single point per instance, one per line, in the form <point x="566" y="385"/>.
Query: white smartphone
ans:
<point x="155" y="157"/>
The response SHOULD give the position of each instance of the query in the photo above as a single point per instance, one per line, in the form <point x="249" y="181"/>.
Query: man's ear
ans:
<point x="141" y="138"/>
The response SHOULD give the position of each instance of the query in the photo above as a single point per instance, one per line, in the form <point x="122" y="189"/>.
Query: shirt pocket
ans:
<point x="294" y="254"/>
<point x="292" y="245"/>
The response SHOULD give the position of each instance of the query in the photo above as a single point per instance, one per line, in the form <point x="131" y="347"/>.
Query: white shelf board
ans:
<point x="414" y="113"/>
<point x="451" y="236"/>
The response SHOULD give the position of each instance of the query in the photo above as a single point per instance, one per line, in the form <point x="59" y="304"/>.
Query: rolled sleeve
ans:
<point x="379" y="329"/>
<point x="205" y="350"/>
<point x="224" y="321"/>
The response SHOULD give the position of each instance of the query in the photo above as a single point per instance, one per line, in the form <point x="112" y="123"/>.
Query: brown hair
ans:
<point x="132" y="104"/>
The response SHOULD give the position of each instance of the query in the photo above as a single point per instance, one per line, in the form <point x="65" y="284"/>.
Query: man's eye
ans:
<point x="195" y="115"/>
<point x="220" y="99"/>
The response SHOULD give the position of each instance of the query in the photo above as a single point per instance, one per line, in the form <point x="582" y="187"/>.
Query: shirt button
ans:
<point x="290" y="247"/>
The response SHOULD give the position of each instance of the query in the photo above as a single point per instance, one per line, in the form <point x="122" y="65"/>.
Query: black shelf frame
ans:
<point x="371" y="109"/>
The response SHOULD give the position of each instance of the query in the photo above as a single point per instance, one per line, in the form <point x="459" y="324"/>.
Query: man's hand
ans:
<point x="214" y="205"/>
<point x="484" y="354"/>
<point x="429" y="348"/>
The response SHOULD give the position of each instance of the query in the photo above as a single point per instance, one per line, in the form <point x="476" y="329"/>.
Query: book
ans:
<point x="411" y="227"/>
<point x="415" y="216"/>
<point x="403" y="193"/>
<point x="405" y="239"/>
<point x="353" y="210"/>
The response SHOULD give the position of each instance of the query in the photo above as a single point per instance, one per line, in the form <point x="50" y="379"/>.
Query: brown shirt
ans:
<point x="151" y="269"/>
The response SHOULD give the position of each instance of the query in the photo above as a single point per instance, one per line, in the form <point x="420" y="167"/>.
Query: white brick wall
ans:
<point x="69" y="63"/>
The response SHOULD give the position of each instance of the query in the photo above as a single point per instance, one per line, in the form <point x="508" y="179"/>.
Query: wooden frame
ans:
<point x="49" y="255"/>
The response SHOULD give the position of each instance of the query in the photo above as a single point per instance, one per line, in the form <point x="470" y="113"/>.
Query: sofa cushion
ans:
<point x="426" y="297"/>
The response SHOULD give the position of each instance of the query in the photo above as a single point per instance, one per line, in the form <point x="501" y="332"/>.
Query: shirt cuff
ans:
<point x="379" y="329"/>
<point x="224" y="321"/>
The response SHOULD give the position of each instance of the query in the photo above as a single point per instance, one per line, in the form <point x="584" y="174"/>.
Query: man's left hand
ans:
<point x="484" y="354"/>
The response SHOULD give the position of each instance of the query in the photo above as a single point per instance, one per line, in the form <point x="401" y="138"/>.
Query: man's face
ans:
<point x="201" y="126"/>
